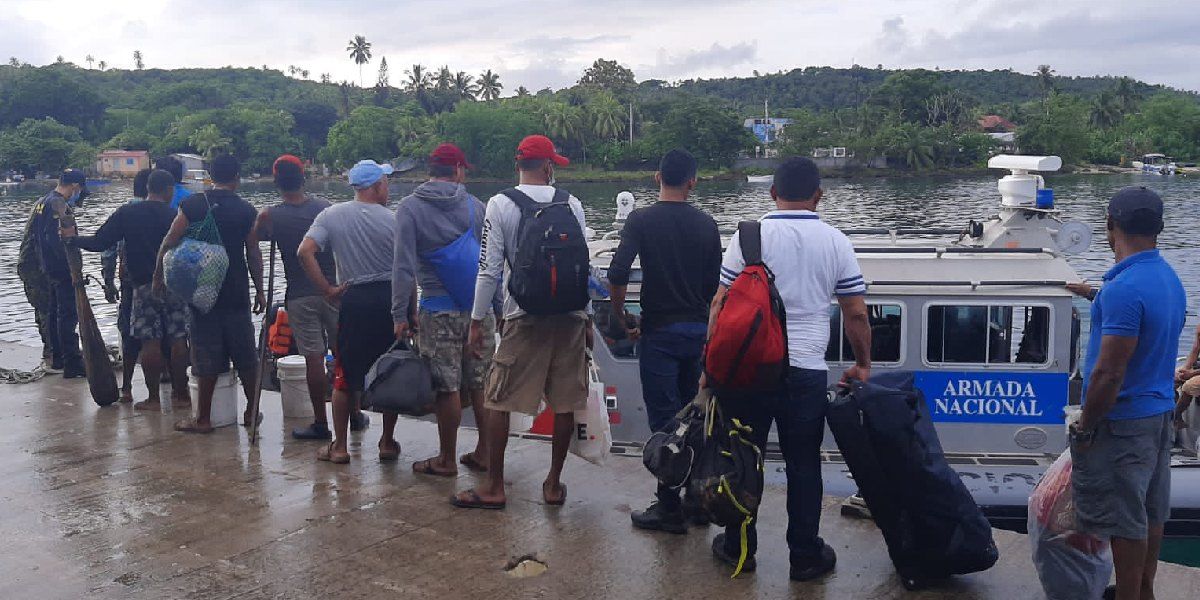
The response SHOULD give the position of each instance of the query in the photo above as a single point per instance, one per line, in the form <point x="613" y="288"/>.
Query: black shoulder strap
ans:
<point x="561" y="196"/>
<point x="750" y="237"/>
<point x="521" y="199"/>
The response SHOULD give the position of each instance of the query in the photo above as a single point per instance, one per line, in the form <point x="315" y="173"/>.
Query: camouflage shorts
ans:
<point x="155" y="318"/>
<point x="442" y="337"/>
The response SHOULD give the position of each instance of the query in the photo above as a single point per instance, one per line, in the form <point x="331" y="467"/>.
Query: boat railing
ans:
<point x="938" y="251"/>
<point x="964" y="283"/>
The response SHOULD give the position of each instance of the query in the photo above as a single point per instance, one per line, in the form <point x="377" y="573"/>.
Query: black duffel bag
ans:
<point x="932" y="526"/>
<point x="400" y="381"/>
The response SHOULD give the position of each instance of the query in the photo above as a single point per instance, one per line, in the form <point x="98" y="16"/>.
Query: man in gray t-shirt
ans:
<point x="311" y="318"/>
<point x="359" y="234"/>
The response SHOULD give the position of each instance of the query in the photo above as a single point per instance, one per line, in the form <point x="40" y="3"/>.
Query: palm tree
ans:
<point x="605" y="117"/>
<point x="291" y="70"/>
<point x="1045" y="77"/>
<point x="360" y="52"/>
<point x="562" y="121"/>
<point x="489" y="85"/>
<point x="523" y="92"/>
<point x="14" y="61"/>
<point x="443" y="79"/>
<point x="418" y="79"/>
<point x="1126" y="95"/>
<point x="103" y="65"/>
<point x="89" y="60"/>
<point x="384" y="79"/>
<point x="304" y="73"/>
<point x="1106" y="111"/>
<point x="137" y="60"/>
<point x="208" y="140"/>
<point x="326" y="78"/>
<point x="464" y="86"/>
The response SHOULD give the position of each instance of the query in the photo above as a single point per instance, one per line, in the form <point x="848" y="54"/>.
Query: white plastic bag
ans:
<point x="1071" y="564"/>
<point x="593" y="438"/>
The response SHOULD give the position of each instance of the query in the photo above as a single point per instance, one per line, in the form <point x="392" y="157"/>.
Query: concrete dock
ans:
<point x="110" y="503"/>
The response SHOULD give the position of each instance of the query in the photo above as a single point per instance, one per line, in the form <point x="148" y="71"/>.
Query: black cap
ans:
<point x="1137" y="210"/>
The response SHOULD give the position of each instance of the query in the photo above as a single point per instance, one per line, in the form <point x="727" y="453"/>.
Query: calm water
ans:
<point x="927" y="202"/>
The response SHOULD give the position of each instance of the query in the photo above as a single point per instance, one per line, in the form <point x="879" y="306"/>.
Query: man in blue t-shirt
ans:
<point x="1122" y="441"/>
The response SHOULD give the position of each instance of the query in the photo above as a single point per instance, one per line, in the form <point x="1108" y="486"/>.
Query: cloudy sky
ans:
<point x="539" y="43"/>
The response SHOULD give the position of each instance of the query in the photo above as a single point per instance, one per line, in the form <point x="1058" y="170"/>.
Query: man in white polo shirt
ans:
<point x="813" y="263"/>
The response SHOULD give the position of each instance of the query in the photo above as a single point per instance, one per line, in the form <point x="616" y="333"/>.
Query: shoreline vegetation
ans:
<point x="914" y="122"/>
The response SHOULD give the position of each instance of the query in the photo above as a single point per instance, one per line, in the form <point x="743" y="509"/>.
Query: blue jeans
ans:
<point x="799" y="414"/>
<point x="670" y="362"/>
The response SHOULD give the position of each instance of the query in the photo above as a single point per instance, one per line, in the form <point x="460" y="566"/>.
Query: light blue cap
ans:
<point x="367" y="172"/>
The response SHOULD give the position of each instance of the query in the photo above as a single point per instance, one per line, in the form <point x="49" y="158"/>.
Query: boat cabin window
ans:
<point x="886" y="326"/>
<point x="981" y="334"/>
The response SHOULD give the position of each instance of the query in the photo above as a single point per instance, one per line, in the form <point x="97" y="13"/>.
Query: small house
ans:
<point x="121" y="163"/>
<point x="996" y="124"/>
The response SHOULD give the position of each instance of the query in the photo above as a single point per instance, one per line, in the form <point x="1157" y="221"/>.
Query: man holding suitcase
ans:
<point x="813" y="263"/>
<point x="1121" y="445"/>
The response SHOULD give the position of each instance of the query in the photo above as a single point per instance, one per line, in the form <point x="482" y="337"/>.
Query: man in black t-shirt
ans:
<point x="153" y="317"/>
<point x="680" y="251"/>
<point x="224" y="333"/>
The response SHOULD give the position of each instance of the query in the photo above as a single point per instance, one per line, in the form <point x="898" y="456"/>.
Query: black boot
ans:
<point x="659" y="518"/>
<point x="817" y="566"/>
<point x="74" y="369"/>
<point x="722" y="553"/>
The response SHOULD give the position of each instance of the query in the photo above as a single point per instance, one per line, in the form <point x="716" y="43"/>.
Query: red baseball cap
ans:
<point x="287" y="158"/>
<point x="449" y="155"/>
<point x="539" y="147"/>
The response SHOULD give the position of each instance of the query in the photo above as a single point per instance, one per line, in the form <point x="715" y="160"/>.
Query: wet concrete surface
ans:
<point x="109" y="503"/>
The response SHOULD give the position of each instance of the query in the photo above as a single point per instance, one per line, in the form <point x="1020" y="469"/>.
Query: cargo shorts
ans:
<point x="1122" y="480"/>
<point x="540" y="357"/>
<point x="442" y="340"/>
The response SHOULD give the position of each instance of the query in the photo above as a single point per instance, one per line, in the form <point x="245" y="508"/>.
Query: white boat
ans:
<point x="1157" y="164"/>
<point x="197" y="178"/>
<point x="760" y="178"/>
<point x="981" y="320"/>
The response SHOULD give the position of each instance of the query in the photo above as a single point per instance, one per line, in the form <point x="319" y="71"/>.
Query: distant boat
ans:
<point x="197" y="178"/>
<point x="1157" y="164"/>
<point x="760" y="179"/>
<point x="98" y="181"/>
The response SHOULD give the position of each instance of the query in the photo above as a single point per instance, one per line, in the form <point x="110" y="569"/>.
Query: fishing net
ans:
<point x="195" y="269"/>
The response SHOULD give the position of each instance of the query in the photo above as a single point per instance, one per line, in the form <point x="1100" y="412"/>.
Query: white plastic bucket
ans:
<point x="293" y="387"/>
<point x="224" y="410"/>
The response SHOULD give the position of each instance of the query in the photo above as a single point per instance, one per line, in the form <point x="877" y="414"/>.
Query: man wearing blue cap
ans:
<point x="359" y="234"/>
<point x="1121" y="445"/>
<point x="52" y="216"/>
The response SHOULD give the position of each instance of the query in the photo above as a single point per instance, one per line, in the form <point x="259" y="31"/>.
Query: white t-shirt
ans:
<point x="500" y="224"/>
<point x="813" y="262"/>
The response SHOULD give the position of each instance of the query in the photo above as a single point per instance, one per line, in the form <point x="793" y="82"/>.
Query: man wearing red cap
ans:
<point x="439" y="228"/>
<point x="312" y="319"/>
<point x="543" y="346"/>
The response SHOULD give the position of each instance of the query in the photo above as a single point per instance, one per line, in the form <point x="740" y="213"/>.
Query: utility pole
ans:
<point x="631" y="123"/>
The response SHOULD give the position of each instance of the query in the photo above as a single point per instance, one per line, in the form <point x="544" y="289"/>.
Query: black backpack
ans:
<point x="550" y="274"/>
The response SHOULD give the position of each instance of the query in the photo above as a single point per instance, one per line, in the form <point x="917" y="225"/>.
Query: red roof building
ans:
<point x="996" y="124"/>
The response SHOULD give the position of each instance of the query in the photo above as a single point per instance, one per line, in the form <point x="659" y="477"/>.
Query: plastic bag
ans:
<point x="1070" y="563"/>
<point x="593" y="437"/>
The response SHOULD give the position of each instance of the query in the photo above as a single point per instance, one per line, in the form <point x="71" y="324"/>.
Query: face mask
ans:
<point x="551" y="179"/>
<point x="75" y="198"/>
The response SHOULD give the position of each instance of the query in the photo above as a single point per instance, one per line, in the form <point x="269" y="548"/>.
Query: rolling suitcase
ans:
<point x="930" y="522"/>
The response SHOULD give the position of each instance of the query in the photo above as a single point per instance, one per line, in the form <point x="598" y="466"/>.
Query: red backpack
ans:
<point x="748" y="347"/>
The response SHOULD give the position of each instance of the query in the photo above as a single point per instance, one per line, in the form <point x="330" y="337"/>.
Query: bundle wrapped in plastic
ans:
<point x="195" y="269"/>
<point x="1070" y="563"/>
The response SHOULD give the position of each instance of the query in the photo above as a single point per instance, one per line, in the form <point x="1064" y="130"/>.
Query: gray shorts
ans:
<point x="1122" y="482"/>
<point x="314" y="324"/>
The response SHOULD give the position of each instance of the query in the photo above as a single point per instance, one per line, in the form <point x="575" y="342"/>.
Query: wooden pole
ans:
<point x="263" y="350"/>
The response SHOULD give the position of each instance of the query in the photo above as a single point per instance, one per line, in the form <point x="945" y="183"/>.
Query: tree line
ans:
<point x="61" y="114"/>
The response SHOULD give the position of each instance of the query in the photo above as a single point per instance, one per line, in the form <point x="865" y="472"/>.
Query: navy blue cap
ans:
<point x="1137" y="209"/>
<point x="73" y="176"/>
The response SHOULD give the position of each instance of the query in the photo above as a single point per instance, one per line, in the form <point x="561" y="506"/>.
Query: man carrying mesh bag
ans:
<point x="219" y="326"/>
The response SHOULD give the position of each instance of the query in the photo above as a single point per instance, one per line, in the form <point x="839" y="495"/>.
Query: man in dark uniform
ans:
<point x="52" y="214"/>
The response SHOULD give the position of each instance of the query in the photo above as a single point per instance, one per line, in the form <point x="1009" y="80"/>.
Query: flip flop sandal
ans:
<point x="469" y="461"/>
<point x="190" y="426"/>
<point x="425" y="467"/>
<point x="389" y="455"/>
<point x="246" y="423"/>
<point x="326" y="454"/>
<point x="561" y="501"/>
<point x="473" y="500"/>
